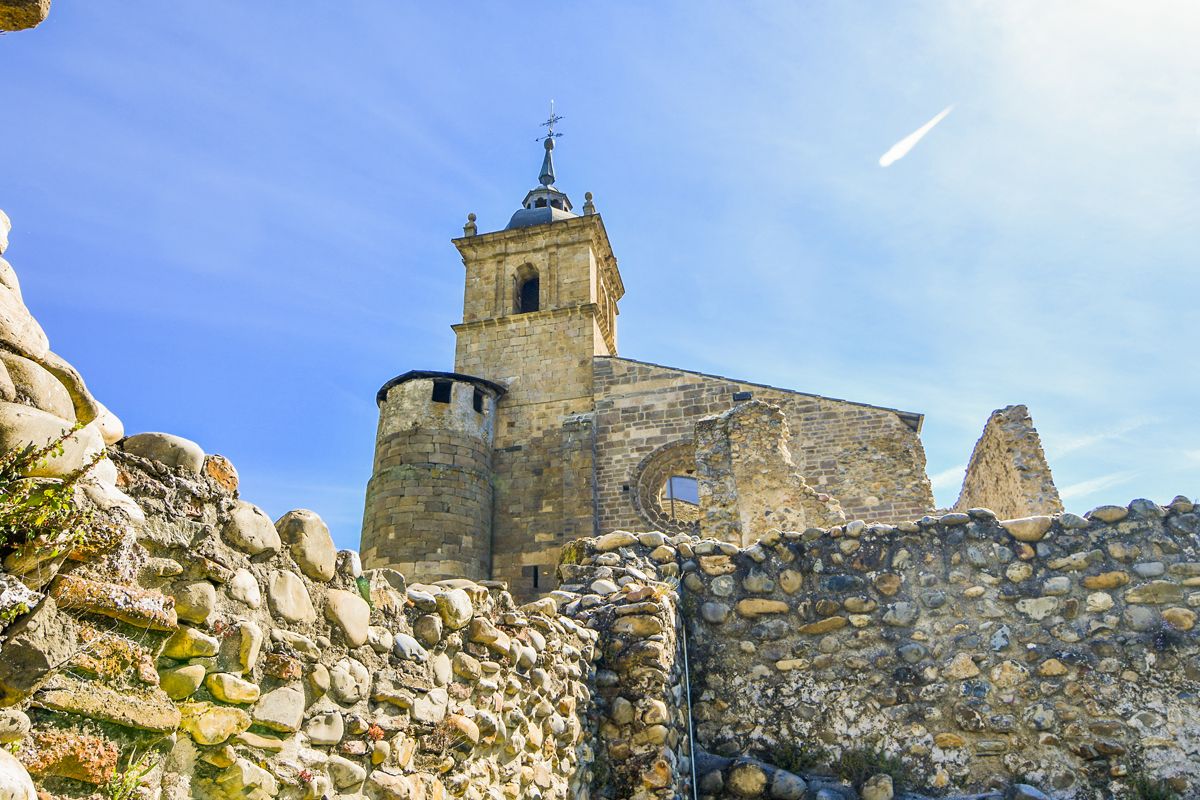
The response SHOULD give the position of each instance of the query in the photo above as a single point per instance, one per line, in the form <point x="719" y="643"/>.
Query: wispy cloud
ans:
<point x="1123" y="427"/>
<point x="900" y="149"/>
<point x="1084" y="488"/>
<point x="948" y="478"/>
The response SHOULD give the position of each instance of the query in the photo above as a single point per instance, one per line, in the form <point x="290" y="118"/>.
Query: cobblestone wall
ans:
<point x="233" y="657"/>
<point x="1058" y="650"/>
<point x="1008" y="472"/>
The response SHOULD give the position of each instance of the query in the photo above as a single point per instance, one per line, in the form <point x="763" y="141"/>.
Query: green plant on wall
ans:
<point x="124" y="785"/>
<point x="43" y="510"/>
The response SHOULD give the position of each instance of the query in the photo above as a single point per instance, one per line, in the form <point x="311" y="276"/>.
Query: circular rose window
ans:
<point x="667" y="494"/>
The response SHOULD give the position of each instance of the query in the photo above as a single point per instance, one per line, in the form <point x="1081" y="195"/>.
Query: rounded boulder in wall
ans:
<point x="308" y="539"/>
<point x="250" y="530"/>
<point x="110" y="425"/>
<point x="35" y="386"/>
<point x="21" y="425"/>
<point x="15" y="783"/>
<point x="18" y="329"/>
<point x="173" y="451"/>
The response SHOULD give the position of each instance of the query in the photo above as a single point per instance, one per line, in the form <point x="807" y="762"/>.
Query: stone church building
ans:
<point x="543" y="433"/>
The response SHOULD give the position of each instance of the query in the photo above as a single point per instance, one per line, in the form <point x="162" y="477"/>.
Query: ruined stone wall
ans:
<point x="867" y="458"/>
<point x="748" y="483"/>
<point x="1008" y="472"/>
<point x="428" y="509"/>
<point x="1060" y="650"/>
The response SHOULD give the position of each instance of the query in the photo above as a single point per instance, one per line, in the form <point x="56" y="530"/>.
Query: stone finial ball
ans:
<point x="471" y="217"/>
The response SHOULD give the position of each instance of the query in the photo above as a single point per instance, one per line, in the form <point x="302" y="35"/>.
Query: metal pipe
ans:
<point x="687" y="694"/>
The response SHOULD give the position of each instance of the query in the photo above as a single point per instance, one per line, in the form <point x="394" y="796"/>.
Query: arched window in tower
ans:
<point x="528" y="286"/>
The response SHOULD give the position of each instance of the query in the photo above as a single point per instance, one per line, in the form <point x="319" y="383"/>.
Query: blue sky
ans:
<point x="234" y="217"/>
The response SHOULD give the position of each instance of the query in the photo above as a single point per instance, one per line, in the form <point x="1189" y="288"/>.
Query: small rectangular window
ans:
<point x="441" y="391"/>
<point x="532" y="574"/>
<point x="477" y="401"/>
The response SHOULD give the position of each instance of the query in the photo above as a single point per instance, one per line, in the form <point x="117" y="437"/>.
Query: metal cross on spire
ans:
<point x="546" y="178"/>
<point x="549" y="125"/>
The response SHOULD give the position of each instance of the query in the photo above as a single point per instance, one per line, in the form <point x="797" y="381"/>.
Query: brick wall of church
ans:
<point x="866" y="457"/>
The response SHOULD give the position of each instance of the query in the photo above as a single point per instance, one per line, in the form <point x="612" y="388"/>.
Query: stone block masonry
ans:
<point x="429" y="502"/>
<point x="869" y="459"/>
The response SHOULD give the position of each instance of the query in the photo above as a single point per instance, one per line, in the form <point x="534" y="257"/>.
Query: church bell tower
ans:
<point x="540" y="303"/>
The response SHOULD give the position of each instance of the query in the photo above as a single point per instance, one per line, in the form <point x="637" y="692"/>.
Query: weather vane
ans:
<point x="549" y="125"/>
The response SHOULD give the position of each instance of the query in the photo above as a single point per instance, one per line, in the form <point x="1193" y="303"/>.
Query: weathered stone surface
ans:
<point x="612" y="541"/>
<point x="878" y="787"/>
<point x="188" y="643"/>
<point x="18" y="328"/>
<point x="138" y="607"/>
<point x="173" y="451"/>
<point x="231" y="689"/>
<point x="17" y="15"/>
<point x="181" y="682"/>
<point x="14" y="725"/>
<point x="148" y="709"/>
<point x="386" y="786"/>
<point x="245" y="779"/>
<point x="1155" y="593"/>
<point x="21" y="425"/>
<point x="455" y="608"/>
<point x="15" y="783"/>
<point x="786" y="786"/>
<point x="430" y="708"/>
<point x="1028" y="529"/>
<point x="36" y="386"/>
<point x="245" y="589"/>
<point x="349" y="681"/>
<point x="1106" y="580"/>
<point x="34" y="647"/>
<point x="746" y="780"/>
<point x="350" y="613"/>
<point x="208" y="723"/>
<point x="195" y="602"/>
<point x="325" y="729"/>
<point x="289" y="597"/>
<point x="280" y="709"/>
<point x="757" y="606"/>
<point x="961" y="667"/>
<point x="1007" y="472"/>
<point x="250" y="530"/>
<point x="308" y="540"/>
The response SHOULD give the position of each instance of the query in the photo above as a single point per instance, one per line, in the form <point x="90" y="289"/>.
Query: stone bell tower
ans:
<point x="540" y="302"/>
